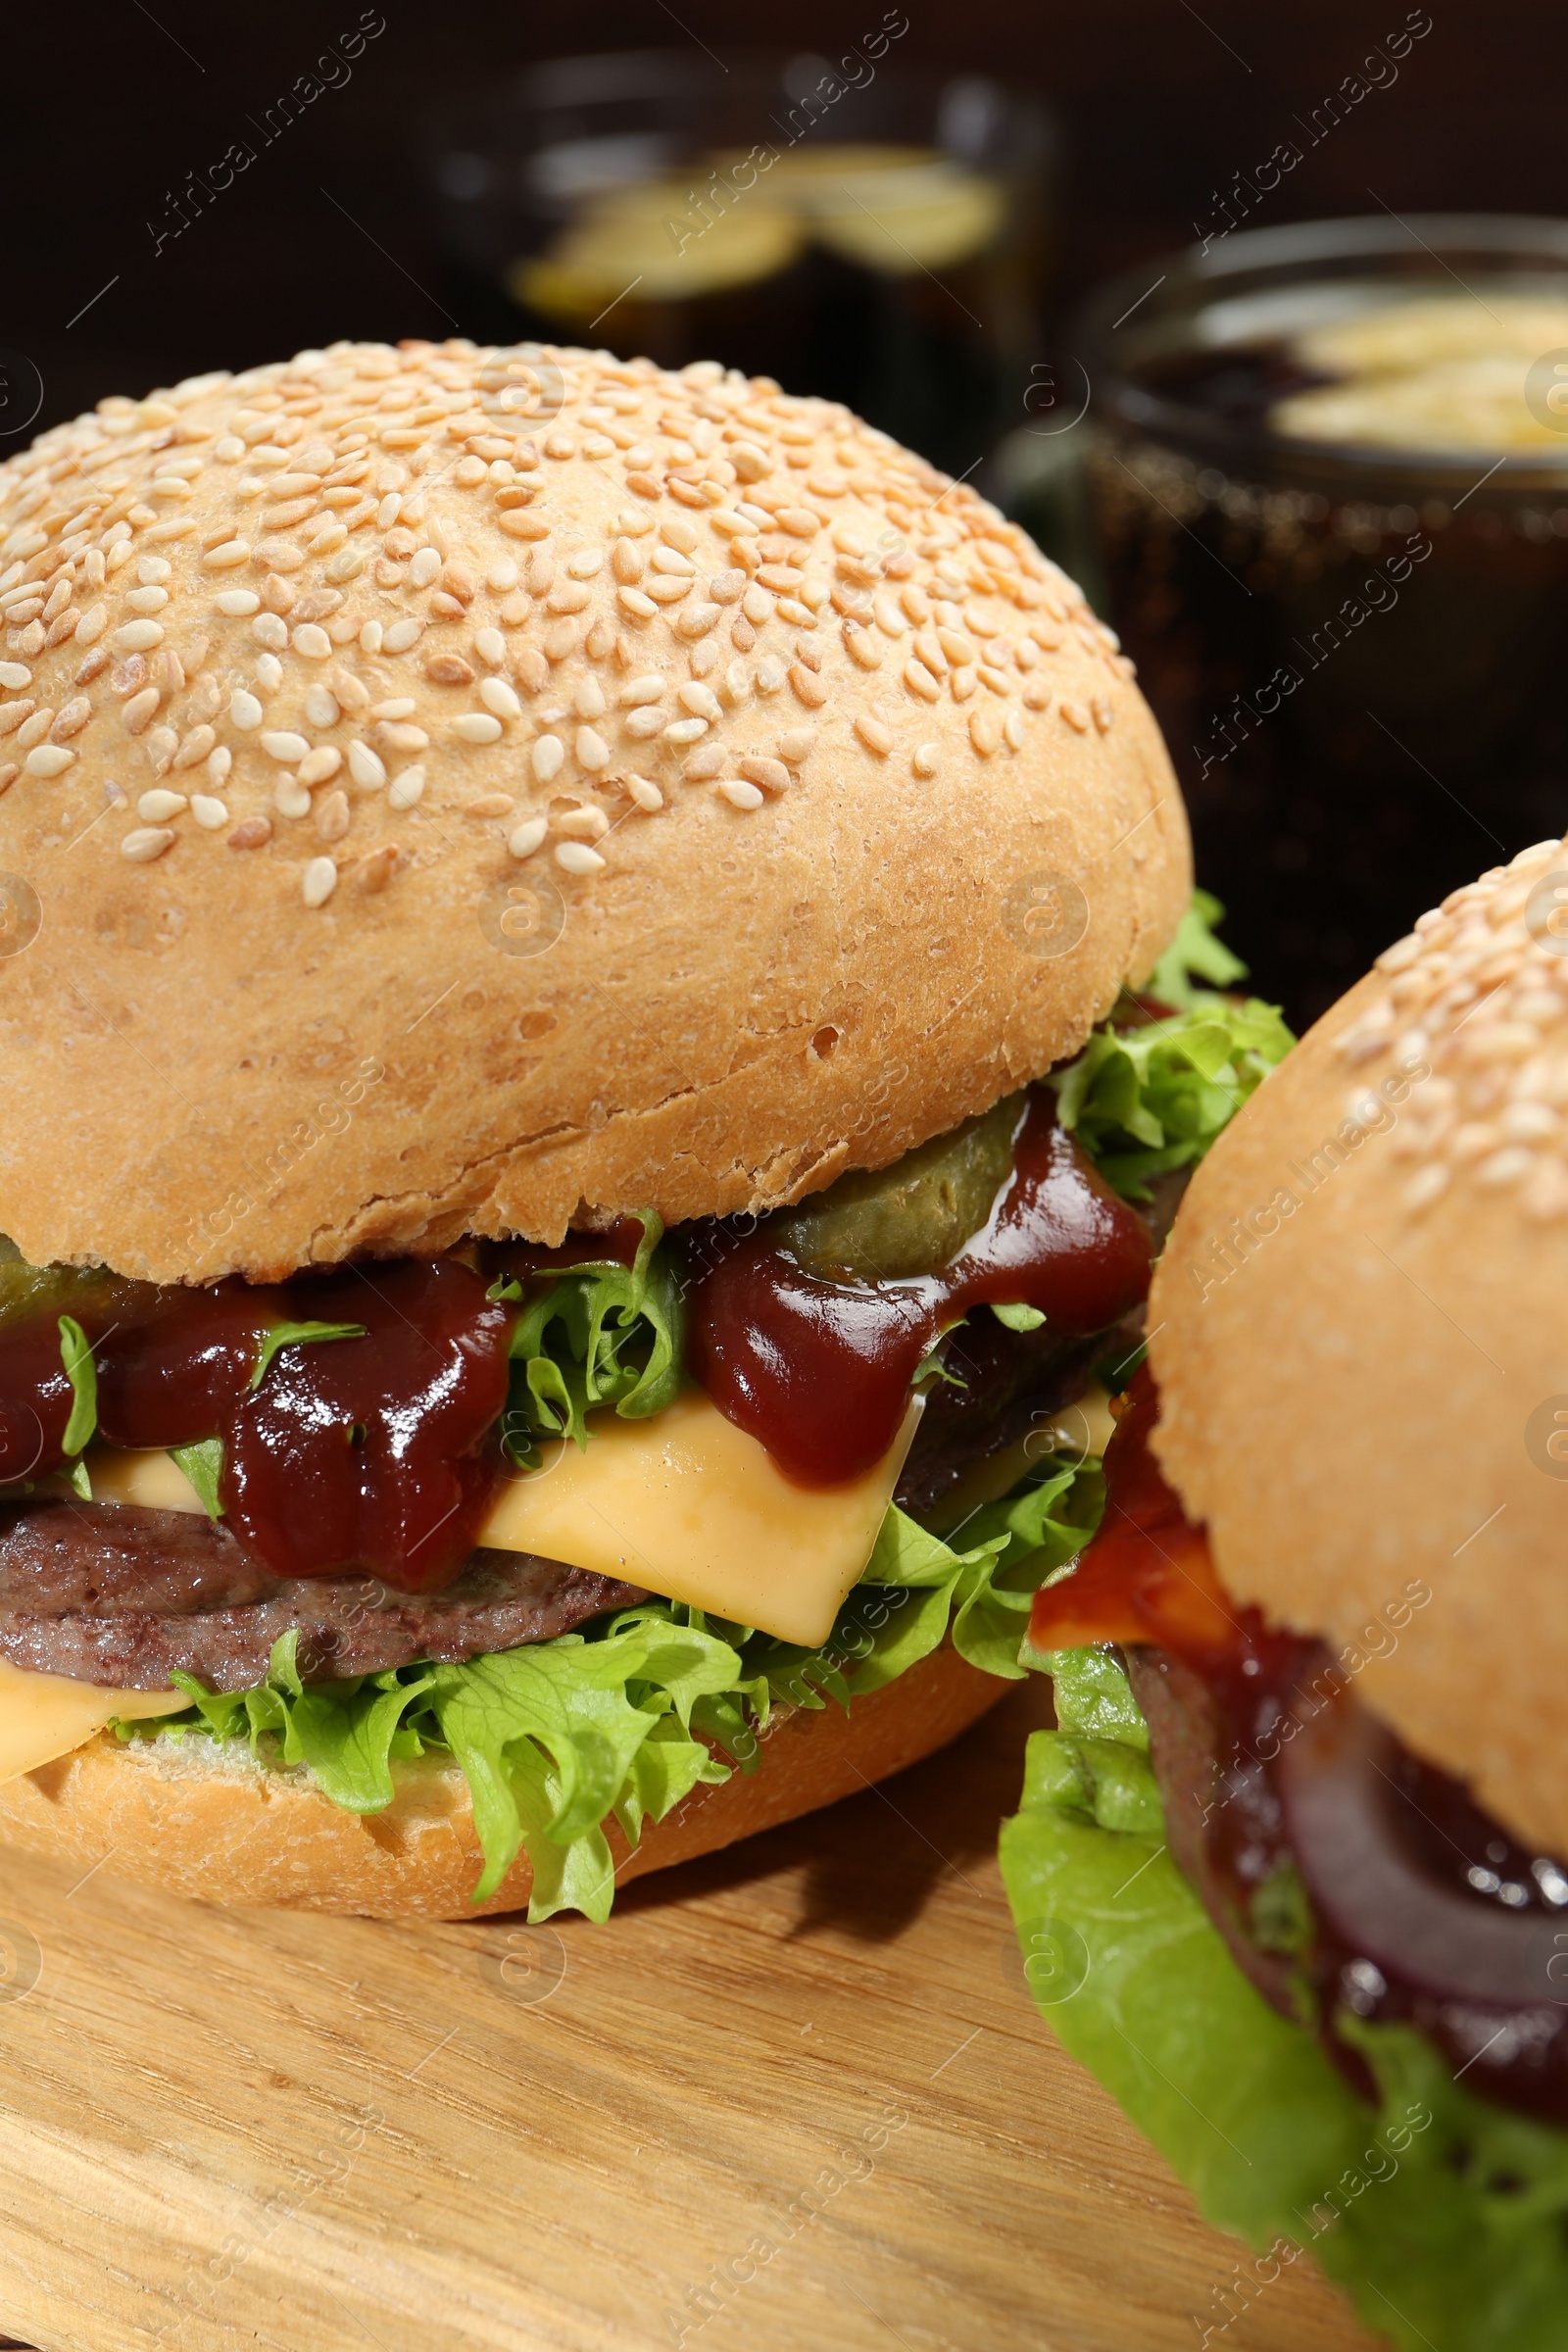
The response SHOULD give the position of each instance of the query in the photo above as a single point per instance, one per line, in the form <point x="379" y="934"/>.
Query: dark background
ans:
<point x="107" y="110"/>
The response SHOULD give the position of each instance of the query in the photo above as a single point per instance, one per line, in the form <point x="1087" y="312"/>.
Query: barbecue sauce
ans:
<point x="364" y="1454"/>
<point x="1148" y="1583"/>
<point x="378" y="1453"/>
<point x="820" y="1371"/>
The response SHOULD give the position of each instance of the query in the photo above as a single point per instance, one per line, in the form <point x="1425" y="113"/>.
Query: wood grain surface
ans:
<point x="793" y="2096"/>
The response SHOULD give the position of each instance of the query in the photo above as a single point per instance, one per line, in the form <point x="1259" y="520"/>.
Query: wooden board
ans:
<point x="806" y="2070"/>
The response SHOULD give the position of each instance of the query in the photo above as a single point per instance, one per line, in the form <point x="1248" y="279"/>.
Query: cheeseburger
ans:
<point x="1294" y="1869"/>
<point x="559" y="1170"/>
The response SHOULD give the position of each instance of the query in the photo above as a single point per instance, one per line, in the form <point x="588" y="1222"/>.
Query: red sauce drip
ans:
<point x="1149" y="1576"/>
<point x="359" y="1454"/>
<point x="820" y="1371"/>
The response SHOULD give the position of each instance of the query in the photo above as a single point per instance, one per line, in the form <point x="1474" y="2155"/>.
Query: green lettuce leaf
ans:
<point x="555" y="1738"/>
<point x="1150" y="1100"/>
<point x="75" y="1355"/>
<point x="203" y="1465"/>
<point x="297" y="1335"/>
<point x="596" y="1334"/>
<point x="1196" y="958"/>
<point x="1445" y="2219"/>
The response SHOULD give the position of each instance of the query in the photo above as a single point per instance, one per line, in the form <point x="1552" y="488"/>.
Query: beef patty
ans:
<point x="105" y="1593"/>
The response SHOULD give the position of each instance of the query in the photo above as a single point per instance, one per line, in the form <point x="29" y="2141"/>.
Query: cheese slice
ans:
<point x="685" y="1504"/>
<point x="43" y="1716"/>
<point x="691" y="1507"/>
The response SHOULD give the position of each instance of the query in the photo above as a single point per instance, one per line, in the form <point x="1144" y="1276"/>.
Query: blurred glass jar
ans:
<point x="871" y="234"/>
<point x="1328" y="468"/>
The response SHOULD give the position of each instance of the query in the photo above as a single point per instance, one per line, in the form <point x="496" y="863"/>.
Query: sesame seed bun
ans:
<point x="472" y="791"/>
<point x="1361" y="1335"/>
<point x="209" y="1823"/>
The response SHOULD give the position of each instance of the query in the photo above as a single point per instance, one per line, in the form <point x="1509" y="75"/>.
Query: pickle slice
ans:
<point x="887" y="1224"/>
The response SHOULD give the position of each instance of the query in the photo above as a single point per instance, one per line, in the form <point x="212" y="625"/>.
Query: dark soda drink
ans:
<point x="1329" y="476"/>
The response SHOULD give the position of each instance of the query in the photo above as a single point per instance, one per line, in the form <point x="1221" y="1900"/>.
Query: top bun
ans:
<point x="473" y="790"/>
<point x="1361" y="1340"/>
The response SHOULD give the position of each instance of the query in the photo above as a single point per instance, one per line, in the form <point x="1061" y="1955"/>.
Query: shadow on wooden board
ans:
<point x="792" y="2096"/>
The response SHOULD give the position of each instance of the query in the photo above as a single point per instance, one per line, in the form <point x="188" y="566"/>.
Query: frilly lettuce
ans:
<point x="600" y="1333"/>
<point x="624" y="1717"/>
<point x="1445" y="2217"/>
<point x="1146" y="1100"/>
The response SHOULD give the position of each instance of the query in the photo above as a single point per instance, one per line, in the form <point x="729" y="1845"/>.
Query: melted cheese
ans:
<point x="685" y="1503"/>
<point x="43" y="1716"/>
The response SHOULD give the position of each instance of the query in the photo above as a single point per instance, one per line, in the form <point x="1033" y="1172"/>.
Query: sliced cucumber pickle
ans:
<point x="886" y="1224"/>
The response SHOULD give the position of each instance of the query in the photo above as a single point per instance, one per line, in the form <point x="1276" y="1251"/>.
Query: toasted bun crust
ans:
<point x="206" y="1822"/>
<point x="300" y="964"/>
<point x="1371" y="1410"/>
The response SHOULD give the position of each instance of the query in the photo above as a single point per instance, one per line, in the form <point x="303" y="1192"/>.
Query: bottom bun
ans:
<point x="213" y="1823"/>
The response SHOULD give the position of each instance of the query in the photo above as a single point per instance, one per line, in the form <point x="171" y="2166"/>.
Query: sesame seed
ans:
<point x="647" y="795"/>
<point x="498" y="697"/>
<point x="71" y="719"/>
<point x="238" y="603"/>
<point x="290" y="798"/>
<point x="406" y="788"/>
<point x="491" y="647"/>
<point x="155" y="807"/>
<point x="370" y="637"/>
<point x="577" y="858"/>
<point x="195" y="747"/>
<point x="771" y="774"/>
<point x="48" y="759"/>
<point x="332" y="816"/>
<point x="401" y="635"/>
<point x="548" y="754"/>
<point x="15" y="674"/>
<point x="312" y="642"/>
<point x="366" y="766"/>
<point x="524" y="839"/>
<point x="137" y="637"/>
<point x="593" y="753"/>
<point x="146" y="843"/>
<point x="739" y="795"/>
<point x="583" y="824"/>
<point x="874" y="733"/>
<point x="251" y="833"/>
<point x="926" y="758"/>
<point x="281" y="744"/>
<point x="210" y="813"/>
<point x="321" y="763"/>
<point x="318" y="881"/>
<point x="478" y="726"/>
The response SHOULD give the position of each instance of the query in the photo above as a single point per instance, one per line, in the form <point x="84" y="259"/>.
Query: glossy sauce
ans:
<point x="1148" y="1578"/>
<point x="820" y="1371"/>
<point x="354" y="1455"/>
